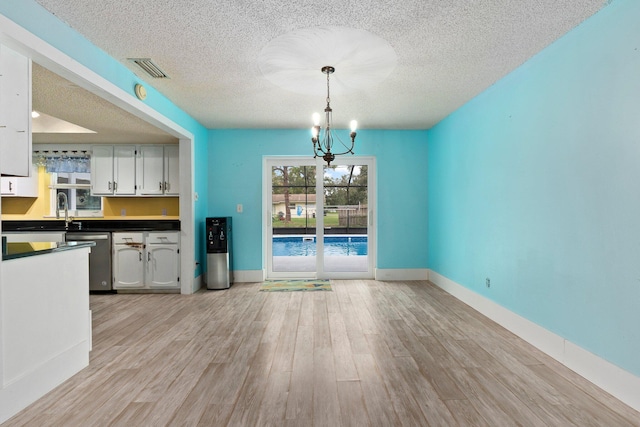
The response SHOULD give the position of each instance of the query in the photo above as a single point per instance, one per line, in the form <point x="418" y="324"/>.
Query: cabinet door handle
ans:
<point x="10" y="186"/>
<point x="149" y="256"/>
<point x="140" y="256"/>
<point x="160" y="186"/>
<point x="166" y="186"/>
<point x="109" y="186"/>
<point x="115" y="186"/>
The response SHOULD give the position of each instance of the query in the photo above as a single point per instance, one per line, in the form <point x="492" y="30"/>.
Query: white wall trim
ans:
<point x="248" y="276"/>
<point x="401" y="274"/>
<point x="621" y="384"/>
<point x="27" y="389"/>
<point x="197" y="284"/>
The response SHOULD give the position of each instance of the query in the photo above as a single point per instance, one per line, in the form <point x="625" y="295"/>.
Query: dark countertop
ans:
<point x="92" y="225"/>
<point x="26" y="249"/>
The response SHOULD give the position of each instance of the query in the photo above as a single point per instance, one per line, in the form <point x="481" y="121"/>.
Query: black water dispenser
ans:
<point x="219" y="253"/>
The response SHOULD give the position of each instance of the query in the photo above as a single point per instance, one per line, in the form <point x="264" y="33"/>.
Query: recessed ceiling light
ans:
<point x="50" y="124"/>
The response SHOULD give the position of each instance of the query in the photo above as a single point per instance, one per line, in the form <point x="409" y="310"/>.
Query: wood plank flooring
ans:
<point x="367" y="354"/>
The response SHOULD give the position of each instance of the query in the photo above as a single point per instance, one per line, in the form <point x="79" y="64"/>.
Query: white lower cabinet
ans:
<point x="146" y="260"/>
<point x="128" y="260"/>
<point x="163" y="255"/>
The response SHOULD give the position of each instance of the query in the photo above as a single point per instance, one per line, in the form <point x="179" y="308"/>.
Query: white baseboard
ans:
<point x="20" y="393"/>
<point x="383" y="274"/>
<point x="248" y="276"/>
<point x="611" y="378"/>
<point x="197" y="284"/>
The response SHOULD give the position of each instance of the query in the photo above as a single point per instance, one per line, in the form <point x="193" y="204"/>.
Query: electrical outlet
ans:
<point x="488" y="282"/>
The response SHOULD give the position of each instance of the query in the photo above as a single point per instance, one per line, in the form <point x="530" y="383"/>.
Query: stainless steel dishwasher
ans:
<point x="100" y="272"/>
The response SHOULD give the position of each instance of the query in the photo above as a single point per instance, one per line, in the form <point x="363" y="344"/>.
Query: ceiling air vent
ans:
<point x="149" y="67"/>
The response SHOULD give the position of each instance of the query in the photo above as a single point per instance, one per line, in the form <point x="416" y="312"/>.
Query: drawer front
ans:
<point x="161" y="237"/>
<point x="124" y="238"/>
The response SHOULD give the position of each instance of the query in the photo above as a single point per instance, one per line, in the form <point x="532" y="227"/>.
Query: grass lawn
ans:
<point x="330" y="220"/>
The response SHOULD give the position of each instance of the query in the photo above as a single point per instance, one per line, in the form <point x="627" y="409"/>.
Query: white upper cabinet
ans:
<point x="102" y="169"/>
<point x="150" y="170"/>
<point x="15" y="113"/>
<point x="171" y="170"/>
<point x="17" y="186"/>
<point x="158" y="170"/>
<point x="113" y="170"/>
<point x="124" y="170"/>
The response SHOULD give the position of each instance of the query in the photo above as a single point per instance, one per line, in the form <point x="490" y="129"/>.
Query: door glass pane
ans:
<point x="293" y="207"/>
<point x="345" y="218"/>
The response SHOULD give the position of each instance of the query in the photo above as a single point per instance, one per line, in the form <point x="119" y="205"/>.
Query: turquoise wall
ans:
<point x="534" y="184"/>
<point x="235" y="176"/>
<point x="34" y="18"/>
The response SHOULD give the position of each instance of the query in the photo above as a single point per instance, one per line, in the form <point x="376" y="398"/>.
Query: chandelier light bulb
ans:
<point x="316" y="119"/>
<point x="354" y="125"/>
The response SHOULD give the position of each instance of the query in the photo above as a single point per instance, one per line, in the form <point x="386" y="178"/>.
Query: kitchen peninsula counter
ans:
<point x="45" y="318"/>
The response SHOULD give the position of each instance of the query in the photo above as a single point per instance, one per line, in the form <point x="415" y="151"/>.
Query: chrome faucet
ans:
<point x="65" y="206"/>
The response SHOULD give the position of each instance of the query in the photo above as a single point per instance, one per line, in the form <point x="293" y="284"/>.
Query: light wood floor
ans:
<point x="368" y="353"/>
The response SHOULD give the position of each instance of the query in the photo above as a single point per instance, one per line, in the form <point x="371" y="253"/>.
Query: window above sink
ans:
<point x="77" y="187"/>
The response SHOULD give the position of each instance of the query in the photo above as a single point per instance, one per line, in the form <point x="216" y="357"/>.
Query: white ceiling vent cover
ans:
<point x="149" y="67"/>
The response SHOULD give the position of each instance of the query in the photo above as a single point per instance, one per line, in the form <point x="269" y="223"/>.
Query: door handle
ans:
<point x="88" y="237"/>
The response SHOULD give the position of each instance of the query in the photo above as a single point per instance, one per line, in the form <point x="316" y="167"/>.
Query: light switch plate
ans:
<point x="239" y="208"/>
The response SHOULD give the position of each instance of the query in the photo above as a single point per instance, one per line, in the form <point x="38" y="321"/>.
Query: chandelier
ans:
<point x="323" y="144"/>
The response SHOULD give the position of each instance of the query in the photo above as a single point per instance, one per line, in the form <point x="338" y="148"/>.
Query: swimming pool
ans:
<point x="306" y="245"/>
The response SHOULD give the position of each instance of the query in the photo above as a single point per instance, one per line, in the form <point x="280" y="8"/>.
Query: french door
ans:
<point x="319" y="219"/>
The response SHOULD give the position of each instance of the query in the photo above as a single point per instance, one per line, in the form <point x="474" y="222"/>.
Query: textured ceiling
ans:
<point x="446" y="52"/>
<point x="64" y="100"/>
